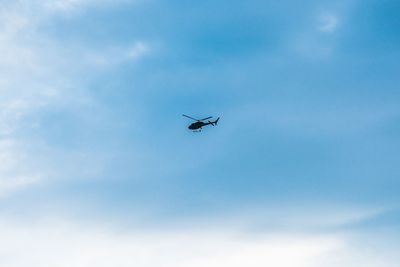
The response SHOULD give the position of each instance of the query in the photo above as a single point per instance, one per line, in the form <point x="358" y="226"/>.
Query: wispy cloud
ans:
<point x="114" y="55"/>
<point x="15" y="170"/>
<point x="68" y="6"/>
<point x="328" y="23"/>
<point x="40" y="75"/>
<point x="317" y="40"/>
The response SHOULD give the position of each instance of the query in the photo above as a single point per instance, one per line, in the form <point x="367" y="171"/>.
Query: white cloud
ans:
<point x="64" y="243"/>
<point x="328" y="23"/>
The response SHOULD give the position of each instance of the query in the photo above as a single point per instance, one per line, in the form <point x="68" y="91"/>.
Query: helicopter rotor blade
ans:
<point x="205" y="118"/>
<point x="190" y="117"/>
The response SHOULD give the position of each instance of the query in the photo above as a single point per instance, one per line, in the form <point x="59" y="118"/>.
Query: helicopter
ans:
<point x="196" y="126"/>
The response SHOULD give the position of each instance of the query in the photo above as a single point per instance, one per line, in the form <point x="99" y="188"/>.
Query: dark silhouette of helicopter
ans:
<point x="196" y="126"/>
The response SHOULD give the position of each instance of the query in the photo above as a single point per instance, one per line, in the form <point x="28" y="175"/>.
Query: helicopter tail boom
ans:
<point x="214" y="123"/>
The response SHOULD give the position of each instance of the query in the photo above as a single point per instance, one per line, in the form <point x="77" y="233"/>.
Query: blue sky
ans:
<point x="302" y="169"/>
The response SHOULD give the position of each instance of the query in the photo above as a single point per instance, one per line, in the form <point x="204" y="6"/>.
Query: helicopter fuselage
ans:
<point x="197" y="125"/>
